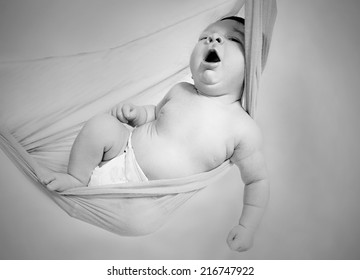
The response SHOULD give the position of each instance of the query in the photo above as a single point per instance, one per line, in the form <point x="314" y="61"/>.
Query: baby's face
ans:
<point x="217" y="61"/>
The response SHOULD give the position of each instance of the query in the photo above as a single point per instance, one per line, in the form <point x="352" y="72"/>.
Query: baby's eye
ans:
<point x="203" y="38"/>
<point x="234" y="39"/>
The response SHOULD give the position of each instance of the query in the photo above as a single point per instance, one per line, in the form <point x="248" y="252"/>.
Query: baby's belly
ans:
<point x="161" y="157"/>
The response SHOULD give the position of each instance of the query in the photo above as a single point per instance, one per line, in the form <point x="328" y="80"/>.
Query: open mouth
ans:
<point x="212" y="57"/>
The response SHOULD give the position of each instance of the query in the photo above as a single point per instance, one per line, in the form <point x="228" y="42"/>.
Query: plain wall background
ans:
<point x="308" y="111"/>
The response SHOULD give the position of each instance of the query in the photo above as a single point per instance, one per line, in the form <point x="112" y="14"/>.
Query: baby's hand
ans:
<point x="127" y="113"/>
<point x="240" y="238"/>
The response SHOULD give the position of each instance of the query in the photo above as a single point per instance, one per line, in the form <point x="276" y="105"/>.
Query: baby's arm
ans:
<point x="134" y="115"/>
<point x="251" y="163"/>
<point x="138" y="115"/>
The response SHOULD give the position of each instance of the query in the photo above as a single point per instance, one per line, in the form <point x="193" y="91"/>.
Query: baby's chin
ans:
<point x="209" y="78"/>
<point x="209" y="88"/>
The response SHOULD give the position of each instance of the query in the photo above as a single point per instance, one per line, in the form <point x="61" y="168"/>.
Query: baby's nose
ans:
<point x="215" y="38"/>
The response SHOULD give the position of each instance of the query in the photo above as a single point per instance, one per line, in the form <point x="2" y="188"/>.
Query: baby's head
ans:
<point x="217" y="62"/>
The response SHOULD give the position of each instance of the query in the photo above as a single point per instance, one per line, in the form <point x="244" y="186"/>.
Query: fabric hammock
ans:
<point x="45" y="101"/>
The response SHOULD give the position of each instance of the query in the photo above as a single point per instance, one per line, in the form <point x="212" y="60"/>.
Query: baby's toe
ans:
<point x="53" y="185"/>
<point x="47" y="179"/>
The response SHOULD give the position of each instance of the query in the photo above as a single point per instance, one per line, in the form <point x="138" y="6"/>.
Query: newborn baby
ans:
<point x="194" y="128"/>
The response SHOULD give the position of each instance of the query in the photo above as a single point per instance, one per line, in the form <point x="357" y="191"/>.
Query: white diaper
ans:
<point x="121" y="169"/>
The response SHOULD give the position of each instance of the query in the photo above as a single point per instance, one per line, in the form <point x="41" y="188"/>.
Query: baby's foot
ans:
<point x="60" y="181"/>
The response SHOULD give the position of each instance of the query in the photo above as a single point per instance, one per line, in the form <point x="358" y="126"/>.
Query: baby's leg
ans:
<point x="102" y="138"/>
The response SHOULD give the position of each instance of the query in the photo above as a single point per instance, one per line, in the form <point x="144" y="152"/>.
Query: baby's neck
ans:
<point x="226" y="98"/>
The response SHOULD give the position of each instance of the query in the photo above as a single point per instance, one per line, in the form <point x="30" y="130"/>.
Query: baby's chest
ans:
<point x="206" y="128"/>
<point x="191" y="116"/>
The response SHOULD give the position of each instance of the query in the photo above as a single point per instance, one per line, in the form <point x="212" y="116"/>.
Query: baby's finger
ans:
<point x="126" y="111"/>
<point x="119" y="114"/>
<point x="240" y="239"/>
<point x="129" y="112"/>
<point x="233" y="240"/>
<point x="122" y="118"/>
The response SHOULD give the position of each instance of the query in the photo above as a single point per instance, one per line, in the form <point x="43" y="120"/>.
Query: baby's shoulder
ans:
<point x="184" y="86"/>
<point x="246" y="131"/>
<point x="180" y="88"/>
<point x="248" y="138"/>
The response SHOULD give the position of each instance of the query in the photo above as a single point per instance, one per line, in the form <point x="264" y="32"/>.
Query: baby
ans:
<point x="193" y="129"/>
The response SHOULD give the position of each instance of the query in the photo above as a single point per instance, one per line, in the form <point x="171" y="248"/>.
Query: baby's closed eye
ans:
<point x="234" y="39"/>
